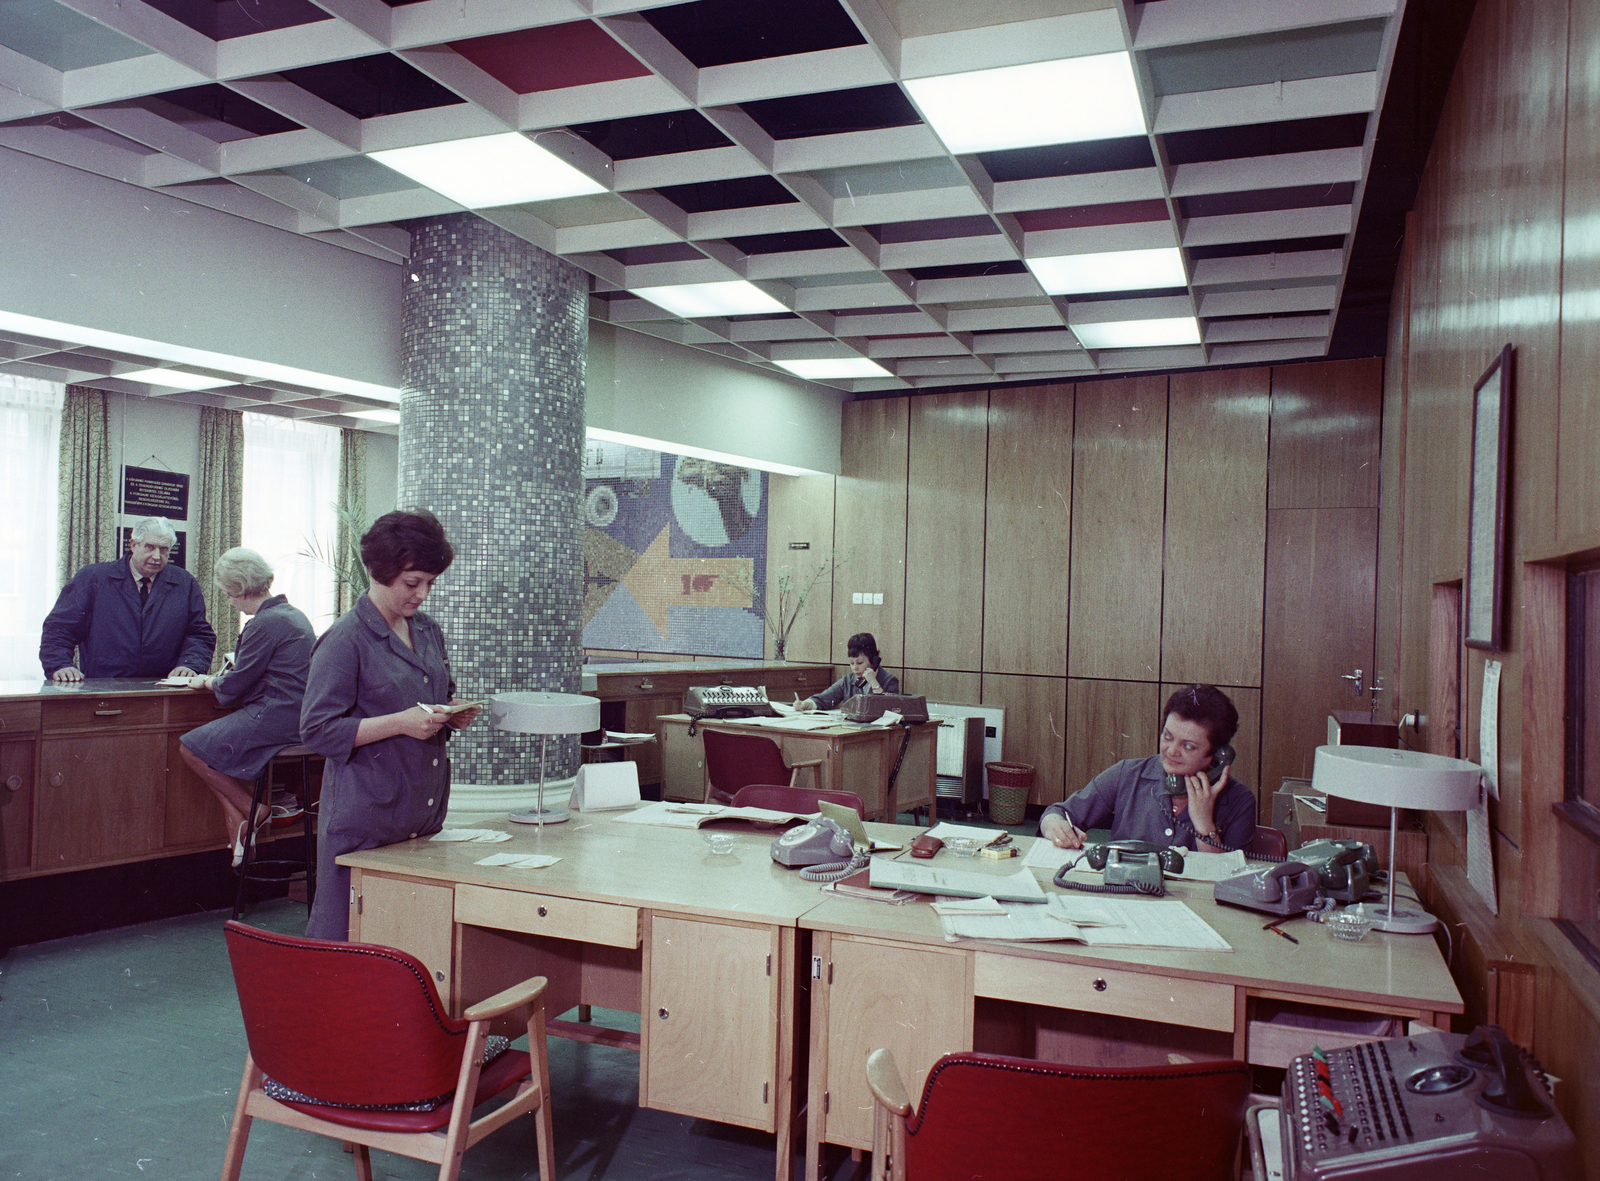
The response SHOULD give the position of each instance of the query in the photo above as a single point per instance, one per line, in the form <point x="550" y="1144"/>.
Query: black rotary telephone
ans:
<point x="1220" y="758"/>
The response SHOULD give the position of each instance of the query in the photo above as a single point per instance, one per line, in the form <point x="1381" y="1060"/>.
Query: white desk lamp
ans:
<point x="1397" y="779"/>
<point x="543" y="714"/>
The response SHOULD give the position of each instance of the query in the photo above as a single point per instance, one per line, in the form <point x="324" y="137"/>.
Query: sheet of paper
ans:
<point x="177" y="683"/>
<point x="1083" y="910"/>
<point x="1043" y="855"/>
<point x="672" y="815"/>
<point x="1211" y="867"/>
<point x="1154" y="922"/>
<point x="518" y="860"/>
<point x="1480" y="854"/>
<point x="1489" y="728"/>
<point x="944" y="830"/>
<point x="483" y="836"/>
<point x="625" y="739"/>
<point x="1021" y="921"/>
<point x="959" y="906"/>
<point x="886" y="719"/>
<point x="1021" y="886"/>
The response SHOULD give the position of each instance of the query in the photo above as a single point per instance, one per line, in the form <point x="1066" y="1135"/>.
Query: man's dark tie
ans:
<point x="144" y="590"/>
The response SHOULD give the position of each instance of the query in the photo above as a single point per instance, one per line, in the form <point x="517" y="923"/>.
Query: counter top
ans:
<point x="99" y="687"/>
<point x="712" y="664"/>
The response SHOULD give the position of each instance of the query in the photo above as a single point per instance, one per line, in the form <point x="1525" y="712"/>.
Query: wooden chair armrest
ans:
<point x="528" y="992"/>
<point x="883" y="1078"/>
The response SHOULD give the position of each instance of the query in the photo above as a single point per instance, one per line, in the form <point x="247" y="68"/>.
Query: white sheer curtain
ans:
<point x="291" y="481"/>
<point x="30" y="459"/>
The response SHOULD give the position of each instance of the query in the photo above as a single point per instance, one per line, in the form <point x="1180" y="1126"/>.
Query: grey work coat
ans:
<point x="383" y="792"/>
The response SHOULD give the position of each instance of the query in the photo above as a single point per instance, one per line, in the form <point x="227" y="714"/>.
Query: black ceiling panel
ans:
<point x="1265" y="200"/>
<point x="1276" y="246"/>
<point x="1096" y="155"/>
<point x="784" y="243"/>
<point x="222" y="19"/>
<point x="865" y="108"/>
<point x="367" y="87"/>
<point x="217" y="102"/>
<point x="746" y="192"/>
<point x="664" y="134"/>
<point x="718" y="32"/>
<point x="1265" y="139"/>
<point x="967" y="270"/>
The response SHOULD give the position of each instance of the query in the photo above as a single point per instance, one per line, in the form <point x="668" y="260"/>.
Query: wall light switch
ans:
<point x="855" y="597"/>
<point x="877" y="599"/>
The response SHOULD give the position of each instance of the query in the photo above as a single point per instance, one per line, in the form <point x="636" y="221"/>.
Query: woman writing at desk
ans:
<point x="374" y="675"/>
<point x="1132" y="800"/>
<point x="866" y="675"/>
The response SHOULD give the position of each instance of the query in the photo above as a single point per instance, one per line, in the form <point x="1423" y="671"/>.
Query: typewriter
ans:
<point x="727" y="701"/>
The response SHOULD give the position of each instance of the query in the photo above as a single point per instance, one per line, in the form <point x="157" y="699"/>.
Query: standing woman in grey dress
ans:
<point x="266" y="682"/>
<point x="373" y="673"/>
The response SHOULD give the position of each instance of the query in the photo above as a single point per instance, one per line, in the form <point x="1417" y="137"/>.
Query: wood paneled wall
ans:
<point x="1074" y="553"/>
<point x="1500" y="248"/>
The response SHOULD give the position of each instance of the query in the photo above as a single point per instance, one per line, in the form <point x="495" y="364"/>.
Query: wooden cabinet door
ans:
<point x="193" y="814"/>
<point x="100" y="798"/>
<point x="683" y="764"/>
<point x="413" y="916"/>
<point x="639" y="717"/>
<point x="710" y="1023"/>
<point x="16" y="805"/>
<point x="915" y="1001"/>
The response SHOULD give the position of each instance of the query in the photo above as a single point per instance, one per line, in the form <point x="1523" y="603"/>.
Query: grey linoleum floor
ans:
<point x="121" y="1054"/>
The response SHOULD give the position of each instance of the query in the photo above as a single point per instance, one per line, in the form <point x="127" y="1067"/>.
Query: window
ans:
<point x="291" y="481"/>
<point x="30" y="442"/>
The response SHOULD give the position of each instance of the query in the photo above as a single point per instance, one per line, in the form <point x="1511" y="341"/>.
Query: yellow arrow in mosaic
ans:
<point x="659" y="581"/>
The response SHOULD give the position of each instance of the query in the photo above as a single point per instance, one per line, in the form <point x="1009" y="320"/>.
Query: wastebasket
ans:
<point x="1009" y="786"/>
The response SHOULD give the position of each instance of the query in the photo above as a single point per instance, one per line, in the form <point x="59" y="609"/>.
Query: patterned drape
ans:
<point x="86" y="516"/>
<point x="352" y="514"/>
<point x="221" y="512"/>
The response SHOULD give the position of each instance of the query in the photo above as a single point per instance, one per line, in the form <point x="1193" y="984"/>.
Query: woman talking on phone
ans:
<point x="1171" y="797"/>
<point x="866" y="675"/>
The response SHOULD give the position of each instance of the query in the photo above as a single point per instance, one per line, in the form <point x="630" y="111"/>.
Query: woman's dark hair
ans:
<point x="1210" y="707"/>
<point x="862" y="644"/>
<point x="399" y="541"/>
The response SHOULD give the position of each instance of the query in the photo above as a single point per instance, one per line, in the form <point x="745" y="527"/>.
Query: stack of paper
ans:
<point x="1021" y="886"/>
<point x="519" y="860"/>
<point x="484" y="836"/>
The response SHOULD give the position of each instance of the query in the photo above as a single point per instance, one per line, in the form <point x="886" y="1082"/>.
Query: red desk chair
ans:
<point x="738" y="760"/>
<point x="362" y="1027"/>
<point x="1268" y="842"/>
<point x="983" y="1114"/>
<point x="794" y="799"/>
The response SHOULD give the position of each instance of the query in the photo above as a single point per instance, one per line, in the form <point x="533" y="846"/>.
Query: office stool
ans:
<point x="281" y="869"/>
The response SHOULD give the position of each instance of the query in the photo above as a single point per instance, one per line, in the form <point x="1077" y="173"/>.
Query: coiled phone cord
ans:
<point x="833" y="871"/>
<point x="1158" y="890"/>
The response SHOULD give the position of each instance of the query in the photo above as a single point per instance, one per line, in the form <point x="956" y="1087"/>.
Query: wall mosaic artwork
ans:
<point x="674" y="547"/>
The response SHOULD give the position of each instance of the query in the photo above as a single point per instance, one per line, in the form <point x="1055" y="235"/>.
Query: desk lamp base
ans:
<point x="1398" y="920"/>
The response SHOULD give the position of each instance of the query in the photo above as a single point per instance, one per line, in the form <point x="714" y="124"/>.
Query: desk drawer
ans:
<point x="94" y="712"/>
<point x="19" y="717"/>
<point x="542" y="914"/>
<point x="1090" y="988"/>
<point x="194" y="709"/>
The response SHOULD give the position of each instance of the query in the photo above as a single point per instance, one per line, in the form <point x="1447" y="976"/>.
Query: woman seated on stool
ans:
<point x="866" y="675"/>
<point x="267" y="682"/>
<point x="1131" y="799"/>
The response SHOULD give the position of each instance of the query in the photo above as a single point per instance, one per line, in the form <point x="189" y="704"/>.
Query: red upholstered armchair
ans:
<point x="736" y="760"/>
<point x="794" y="799"/>
<point x="984" y="1115"/>
<point x="361" y="1028"/>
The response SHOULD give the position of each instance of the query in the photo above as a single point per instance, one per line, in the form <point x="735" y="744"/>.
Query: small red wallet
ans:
<point x="926" y="846"/>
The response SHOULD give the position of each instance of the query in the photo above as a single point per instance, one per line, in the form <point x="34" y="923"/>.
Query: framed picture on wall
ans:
<point x="1491" y="418"/>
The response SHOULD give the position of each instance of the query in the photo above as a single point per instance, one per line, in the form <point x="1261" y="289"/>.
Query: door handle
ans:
<point x="1355" y="678"/>
<point x="107" y="713"/>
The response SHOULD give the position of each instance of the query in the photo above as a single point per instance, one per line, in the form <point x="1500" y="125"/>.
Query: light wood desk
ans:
<point x="725" y="956"/>
<point x="854" y="758"/>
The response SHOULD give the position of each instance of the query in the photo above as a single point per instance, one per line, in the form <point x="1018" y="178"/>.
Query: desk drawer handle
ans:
<point x="544" y="912"/>
<point x="1099" y="985"/>
<point x="57" y="779"/>
<point x="663" y="1014"/>
<point x="107" y="713"/>
<point x="646" y="685"/>
<point x="727" y="680"/>
<point x="14" y="783"/>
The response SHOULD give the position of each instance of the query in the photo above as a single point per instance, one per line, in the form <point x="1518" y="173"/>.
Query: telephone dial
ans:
<point x="823" y="847"/>
<point x="1222" y="757"/>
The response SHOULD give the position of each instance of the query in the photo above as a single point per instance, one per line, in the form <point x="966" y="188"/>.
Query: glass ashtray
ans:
<point x="720" y="842"/>
<point x="963" y="846"/>
<point x="1348" y="925"/>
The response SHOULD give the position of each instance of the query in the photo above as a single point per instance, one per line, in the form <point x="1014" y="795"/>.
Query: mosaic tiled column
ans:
<point x="494" y="334"/>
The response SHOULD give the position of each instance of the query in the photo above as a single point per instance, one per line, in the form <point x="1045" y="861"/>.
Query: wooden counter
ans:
<point x="90" y="775"/>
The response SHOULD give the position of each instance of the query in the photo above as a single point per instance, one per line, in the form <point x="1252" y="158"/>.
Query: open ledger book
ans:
<point x="1097" y="922"/>
<point x="674" y="815"/>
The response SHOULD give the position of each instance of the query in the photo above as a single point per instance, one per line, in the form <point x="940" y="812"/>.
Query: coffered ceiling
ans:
<point x="830" y="156"/>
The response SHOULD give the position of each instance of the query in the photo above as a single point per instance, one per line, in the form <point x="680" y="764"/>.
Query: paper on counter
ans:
<point x="1210" y="867"/>
<point x="1083" y="910"/>
<point x="518" y="860"/>
<point x="1043" y="855"/>
<point x="484" y="836"/>
<point x="1021" y="886"/>
<point x="969" y="906"/>
<point x="944" y="830"/>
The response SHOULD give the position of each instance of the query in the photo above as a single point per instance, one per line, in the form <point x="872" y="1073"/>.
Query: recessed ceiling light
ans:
<point x="1114" y="270"/>
<point x="175" y="378"/>
<point x="389" y="416"/>
<point x="1138" y="334"/>
<point x="1055" y="102"/>
<point x="489" y="170"/>
<point x="824" y="368"/>
<point x="692" y="300"/>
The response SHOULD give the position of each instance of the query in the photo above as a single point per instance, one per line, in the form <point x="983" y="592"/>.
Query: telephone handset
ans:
<point x="812" y="843"/>
<point x="1098" y="855"/>
<point x="1220" y="758"/>
<point x="1290" y="887"/>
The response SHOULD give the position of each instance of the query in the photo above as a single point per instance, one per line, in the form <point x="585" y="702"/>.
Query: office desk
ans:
<point x="634" y="918"/>
<point x="719" y="954"/>
<point x="885" y="976"/>
<point x="90" y="776"/>
<point x="854" y="758"/>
